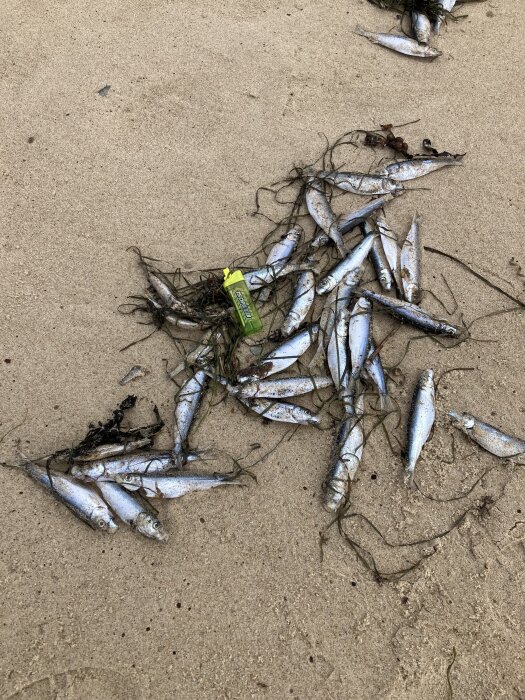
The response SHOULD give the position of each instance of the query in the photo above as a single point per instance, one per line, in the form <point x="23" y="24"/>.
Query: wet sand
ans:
<point x="207" y="102"/>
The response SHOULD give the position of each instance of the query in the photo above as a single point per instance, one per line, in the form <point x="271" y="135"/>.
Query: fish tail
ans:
<point x="409" y="479"/>
<point x="362" y="31"/>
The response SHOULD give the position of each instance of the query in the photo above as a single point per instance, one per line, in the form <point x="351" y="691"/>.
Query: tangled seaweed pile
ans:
<point x="317" y="359"/>
<point x="424" y="19"/>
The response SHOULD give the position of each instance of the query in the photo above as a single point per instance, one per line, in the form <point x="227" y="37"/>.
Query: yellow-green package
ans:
<point x="242" y="301"/>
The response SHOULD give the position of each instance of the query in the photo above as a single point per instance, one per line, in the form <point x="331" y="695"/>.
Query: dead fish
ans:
<point x="134" y="373"/>
<point x="169" y="299"/>
<point x="262" y="276"/>
<point x="347" y="458"/>
<point x="281" y="252"/>
<point x="201" y="355"/>
<point x="359" y="328"/>
<point x="322" y="213"/>
<point x="448" y="6"/>
<point x="421" y="27"/>
<point x="411" y="263"/>
<point x="174" y="485"/>
<point x="283" y="356"/>
<point x="281" y="411"/>
<point x="80" y="498"/>
<point x="378" y="257"/>
<point x="487" y="436"/>
<point x="187" y="403"/>
<point x="413" y="314"/>
<point x="280" y="388"/>
<point x="172" y="319"/>
<point x="337" y="351"/>
<point x="391" y="249"/>
<point x="349" y="221"/>
<point x="152" y="462"/>
<point x="132" y="511"/>
<point x="112" y="450"/>
<point x="338" y="298"/>
<point x="420" y="422"/>
<point x="403" y="170"/>
<point x="352" y="261"/>
<point x="303" y="298"/>
<point x="360" y="183"/>
<point x="374" y="369"/>
<point x="401" y="44"/>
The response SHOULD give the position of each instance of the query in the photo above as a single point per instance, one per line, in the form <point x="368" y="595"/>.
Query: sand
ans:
<point x="208" y="101"/>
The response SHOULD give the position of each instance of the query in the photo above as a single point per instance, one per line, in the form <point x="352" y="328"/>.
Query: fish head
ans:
<point x="129" y="481"/>
<point x="450" y="329"/>
<point x="463" y="421"/>
<point x="325" y="285"/>
<point x="150" y="526"/>
<point x="333" y="497"/>
<point x="294" y="234"/>
<point x="385" y="279"/>
<point x="103" y="520"/>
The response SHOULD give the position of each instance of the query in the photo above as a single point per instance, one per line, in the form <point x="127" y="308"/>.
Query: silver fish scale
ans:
<point x="187" y="403"/>
<point x="420" y="422"/>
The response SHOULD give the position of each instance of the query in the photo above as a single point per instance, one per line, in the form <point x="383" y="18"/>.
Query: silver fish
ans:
<point x="132" y="511"/>
<point x="112" y="450"/>
<point x="420" y="422"/>
<point x="347" y="458"/>
<point x="338" y="298"/>
<point x="80" y="498"/>
<point x="411" y="263"/>
<point x="352" y="261"/>
<point x="262" y="276"/>
<point x="168" y="298"/>
<point x="349" y="221"/>
<point x="280" y="388"/>
<point x="404" y="170"/>
<point x="186" y="406"/>
<point x="359" y="337"/>
<point x="281" y="411"/>
<point x="139" y="463"/>
<point x="174" y="320"/>
<point x="303" y="298"/>
<point x="174" y="485"/>
<point x="391" y="248"/>
<point x="487" y="436"/>
<point x="374" y="369"/>
<point x="322" y="213"/>
<point x="337" y="351"/>
<point x="281" y="252"/>
<point x="201" y="355"/>
<point x="413" y="314"/>
<point x="448" y="6"/>
<point x="134" y="373"/>
<point x="401" y="44"/>
<point x="360" y="183"/>
<point x="283" y="356"/>
<point x="421" y="27"/>
<point x="378" y="258"/>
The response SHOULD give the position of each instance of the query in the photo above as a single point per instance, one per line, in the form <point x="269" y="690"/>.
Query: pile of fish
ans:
<point x="318" y="296"/>
<point x="425" y="18"/>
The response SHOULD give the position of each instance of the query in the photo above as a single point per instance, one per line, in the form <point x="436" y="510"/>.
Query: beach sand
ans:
<point x="207" y="102"/>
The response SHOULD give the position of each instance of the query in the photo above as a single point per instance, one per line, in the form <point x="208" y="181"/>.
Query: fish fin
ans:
<point x="362" y="31"/>
<point x="409" y="479"/>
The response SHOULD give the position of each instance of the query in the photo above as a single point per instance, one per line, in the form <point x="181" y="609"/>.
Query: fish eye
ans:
<point x="155" y="524"/>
